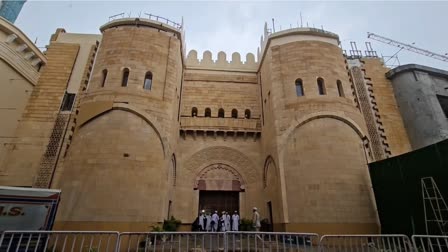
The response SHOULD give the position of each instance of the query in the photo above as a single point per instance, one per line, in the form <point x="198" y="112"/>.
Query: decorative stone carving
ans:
<point x="219" y="177"/>
<point x="223" y="155"/>
<point x="219" y="172"/>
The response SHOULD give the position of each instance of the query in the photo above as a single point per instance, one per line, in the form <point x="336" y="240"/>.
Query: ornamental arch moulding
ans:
<point x="332" y="115"/>
<point x="226" y="156"/>
<point x="86" y="117"/>
<point x="219" y="177"/>
<point x="268" y="165"/>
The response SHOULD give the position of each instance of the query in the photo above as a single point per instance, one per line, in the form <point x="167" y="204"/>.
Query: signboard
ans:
<point x="27" y="208"/>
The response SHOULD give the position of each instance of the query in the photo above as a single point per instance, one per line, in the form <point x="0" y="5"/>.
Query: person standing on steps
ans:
<point x="223" y="221"/>
<point x="201" y="221"/>
<point x="215" y="220"/>
<point x="256" y="219"/>
<point x="228" y="223"/>
<point x="208" y="226"/>
<point x="235" y="221"/>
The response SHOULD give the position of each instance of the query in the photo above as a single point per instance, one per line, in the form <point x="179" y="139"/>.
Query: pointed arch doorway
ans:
<point x="220" y="186"/>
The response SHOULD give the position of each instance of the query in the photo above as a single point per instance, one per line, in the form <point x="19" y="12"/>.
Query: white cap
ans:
<point x="255" y="209"/>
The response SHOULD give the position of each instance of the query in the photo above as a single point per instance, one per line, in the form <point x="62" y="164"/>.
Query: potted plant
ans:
<point x="246" y="225"/>
<point x="170" y="225"/>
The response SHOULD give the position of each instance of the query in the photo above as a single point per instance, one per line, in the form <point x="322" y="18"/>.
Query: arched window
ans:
<point x="299" y="87"/>
<point x="321" y="86"/>
<point x="208" y="112"/>
<point x="234" y="113"/>
<point x="194" y="112"/>
<point x="247" y="114"/>
<point x="124" y="81"/>
<point x="147" y="84"/>
<point x="221" y="113"/>
<point x="103" y="82"/>
<point x="340" y="89"/>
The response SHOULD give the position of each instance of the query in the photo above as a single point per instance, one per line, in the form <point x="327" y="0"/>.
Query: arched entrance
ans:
<point x="219" y="188"/>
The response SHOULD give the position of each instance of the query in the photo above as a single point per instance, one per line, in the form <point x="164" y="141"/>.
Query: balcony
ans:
<point x="220" y="124"/>
<point x="225" y="127"/>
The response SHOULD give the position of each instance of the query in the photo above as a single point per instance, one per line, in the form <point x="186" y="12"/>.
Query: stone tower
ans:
<point x="118" y="166"/>
<point x="314" y="136"/>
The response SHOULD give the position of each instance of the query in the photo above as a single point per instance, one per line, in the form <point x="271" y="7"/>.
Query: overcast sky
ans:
<point x="234" y="26"/>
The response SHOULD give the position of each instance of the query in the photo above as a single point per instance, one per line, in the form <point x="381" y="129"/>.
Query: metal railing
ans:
<point x="164" y="20"/>
<point x="58" y="241"/>
<point x="150" y="16"/>
<point x="92" y="241"/>
<point x="432" y="243"/>
<point x="172" y="241"/>
<point x="365" y="243"/>
<point x="269" y="241"/>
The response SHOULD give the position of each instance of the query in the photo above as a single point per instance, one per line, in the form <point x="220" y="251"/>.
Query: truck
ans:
<point x="30" y="209"/>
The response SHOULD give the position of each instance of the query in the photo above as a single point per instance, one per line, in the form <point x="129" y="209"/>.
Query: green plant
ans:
<point x="157" y="229"/>
<point x="171" y="225"/>
<point x="264" y="221"/>
<point x="265" y="225"/>
<point x="246" y="225"/>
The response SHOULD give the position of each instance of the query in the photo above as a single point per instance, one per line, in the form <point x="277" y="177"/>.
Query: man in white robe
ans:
<point x="256" y="219"/>
<point x="208" y="225"/>
<point x="201" y="220"/>
<point x="227" y="221"/>
<point x="235" y="221"/>
<point x="223" y="221"/>
<point x="215" y="220"/>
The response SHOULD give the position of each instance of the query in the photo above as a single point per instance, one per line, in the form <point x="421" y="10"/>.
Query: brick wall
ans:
<point x="391" y="119"/>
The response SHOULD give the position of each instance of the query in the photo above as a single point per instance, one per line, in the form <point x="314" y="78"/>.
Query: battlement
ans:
<point x="221" y="63"/>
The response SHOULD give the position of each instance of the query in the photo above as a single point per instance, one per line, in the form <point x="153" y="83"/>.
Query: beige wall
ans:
<point x="125" y="165"/>
<point x="85" y="42"/>
<point x="20" y="61"/>
<point x="14" y="94"/>
<point x="220" y="89"/>
<point x="37" y="124"/>
<point x="330" y="187"/>
<point x="392" y="122"/>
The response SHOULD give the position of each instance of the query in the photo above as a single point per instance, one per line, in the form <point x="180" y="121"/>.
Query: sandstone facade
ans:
<point x="154" y="133"/>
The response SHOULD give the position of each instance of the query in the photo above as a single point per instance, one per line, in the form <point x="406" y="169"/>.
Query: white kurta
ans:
<point x="223" y="223"/>
<point x="227" y="222"/>
<point x="215" y="219"/>
<point x="201" y="221"/>
<point x="208" y="225"/>
<point x="235" y="222"/>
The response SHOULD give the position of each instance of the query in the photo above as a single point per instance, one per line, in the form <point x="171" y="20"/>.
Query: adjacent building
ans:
<point x="134" y="130"/>
<point x="20" y="65"/>
<point x="422" y="97"/>
<point x="10" y="9"/>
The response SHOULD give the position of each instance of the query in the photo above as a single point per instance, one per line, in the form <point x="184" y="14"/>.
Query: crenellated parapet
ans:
<point x="221" y="63"/>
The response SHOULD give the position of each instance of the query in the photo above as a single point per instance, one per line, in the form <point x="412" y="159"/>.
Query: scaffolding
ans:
<point x="435" y="208"/>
